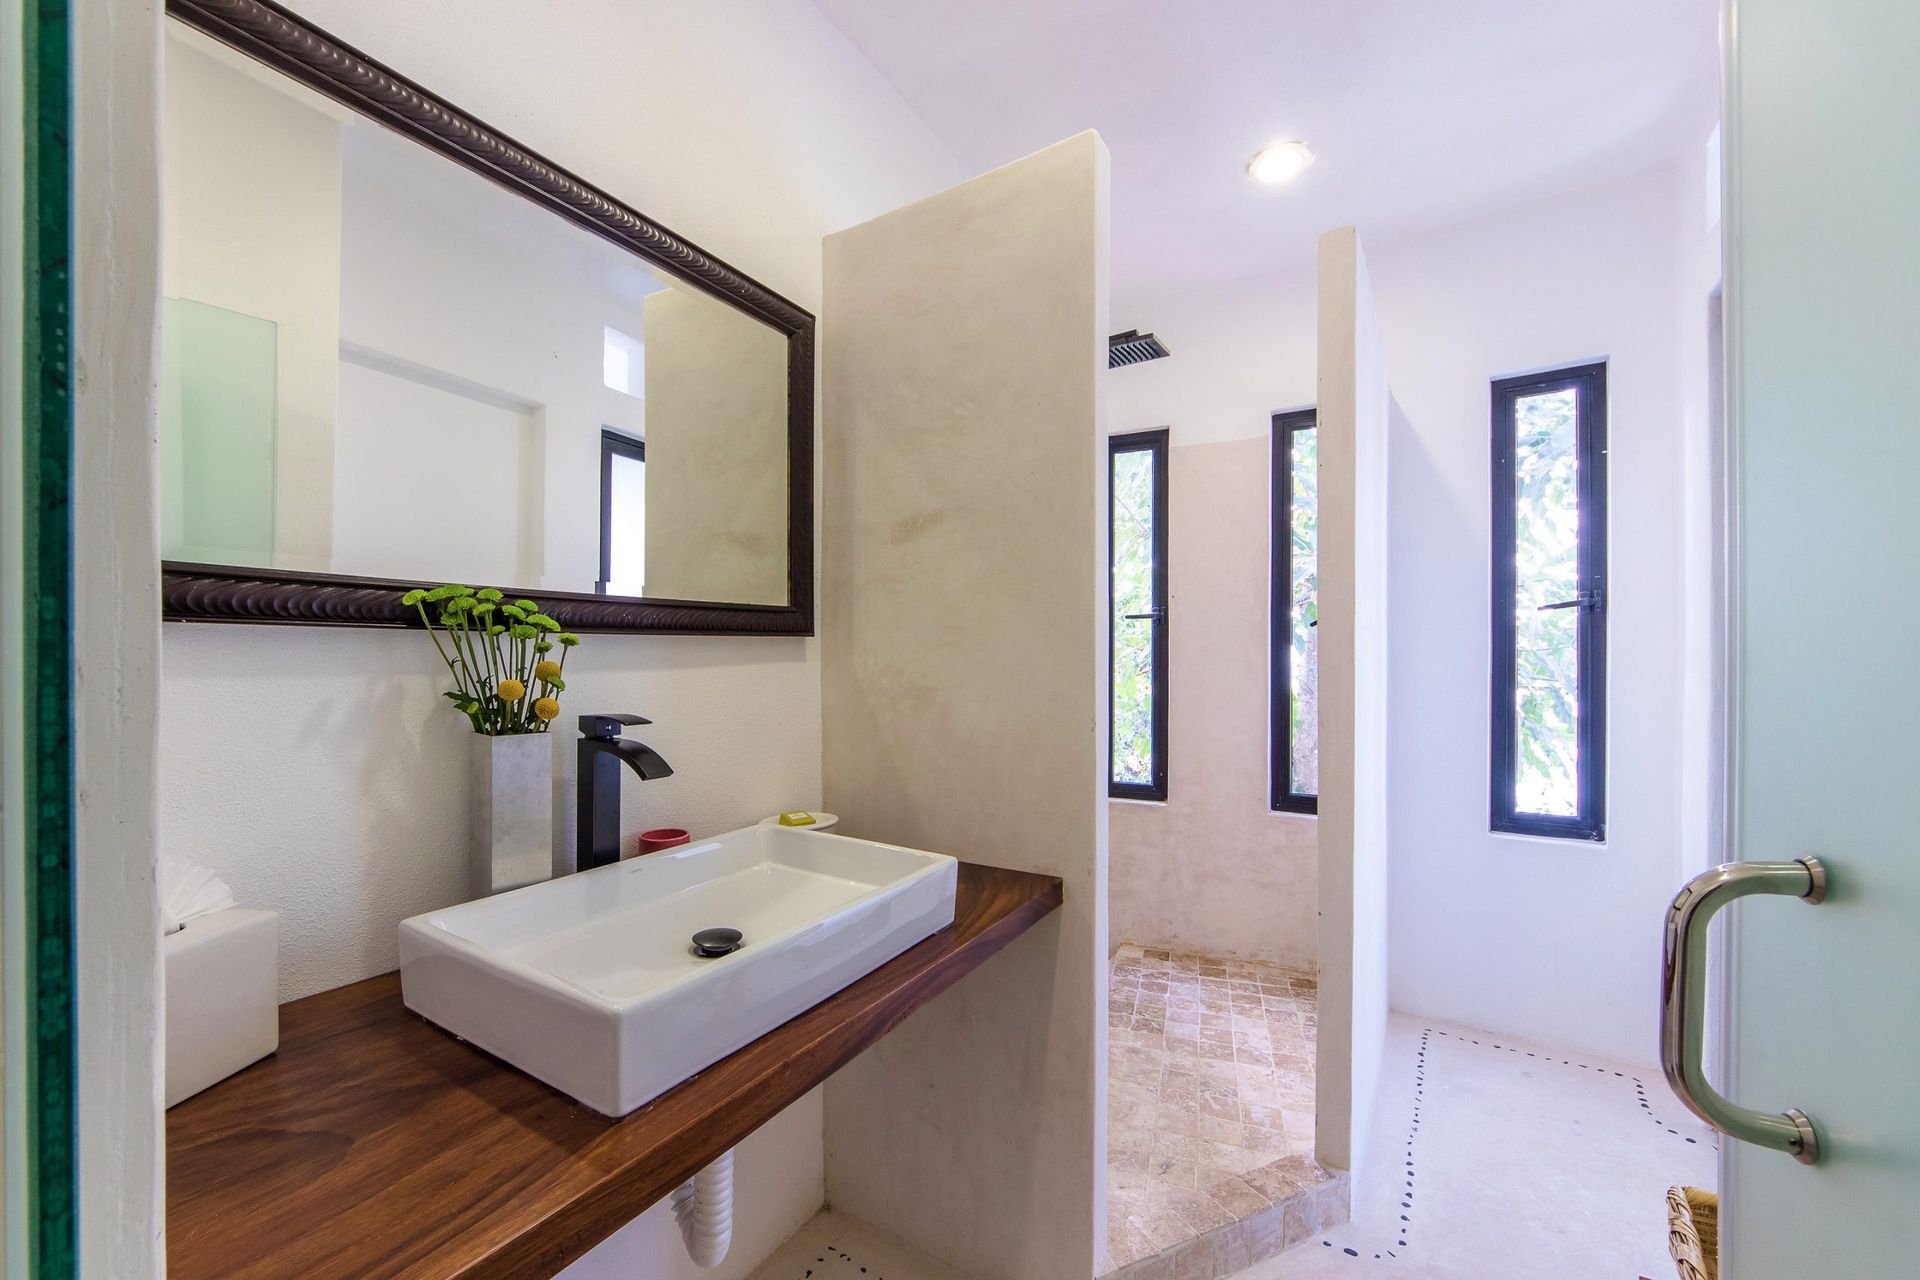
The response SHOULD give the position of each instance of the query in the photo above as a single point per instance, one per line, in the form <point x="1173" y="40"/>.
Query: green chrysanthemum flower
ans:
<point x="528" y="605"/>
<point x="438" y="594"/>
<point x="413" y="597"/>
<point x="492" y="594"/>
<point x="543" y="647"/>
<point x="513" y="611"/>
<point x="568" y="639"/>
<point x="523" y="632"/>
<point x="496" y="630"/>
<point x="545" y="623"/>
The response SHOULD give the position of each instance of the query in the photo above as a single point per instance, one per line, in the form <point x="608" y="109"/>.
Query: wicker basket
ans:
<point x="1693" y="1232"/>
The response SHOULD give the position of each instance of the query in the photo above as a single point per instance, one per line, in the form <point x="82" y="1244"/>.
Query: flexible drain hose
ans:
<point x="703" y="1206"/>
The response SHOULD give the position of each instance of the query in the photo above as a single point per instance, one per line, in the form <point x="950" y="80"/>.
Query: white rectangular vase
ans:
<point x="511" y="832"/>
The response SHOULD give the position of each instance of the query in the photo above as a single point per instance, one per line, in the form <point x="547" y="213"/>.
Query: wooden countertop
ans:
<point x="375" y="1144"/>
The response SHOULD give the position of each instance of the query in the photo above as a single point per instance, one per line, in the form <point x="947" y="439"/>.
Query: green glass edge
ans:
<point x="47" y="552"/>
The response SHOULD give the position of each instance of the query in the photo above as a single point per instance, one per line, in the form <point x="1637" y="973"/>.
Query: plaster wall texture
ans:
<point x="318" y="769"/>
<point x="1213" y="869"/>
<point x="964" y="371"/>
<point x="1355" y="405"/>
<point x="716" y="383"/>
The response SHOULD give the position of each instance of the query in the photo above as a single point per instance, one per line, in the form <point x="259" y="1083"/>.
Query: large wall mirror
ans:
<point x="398" y="348"/>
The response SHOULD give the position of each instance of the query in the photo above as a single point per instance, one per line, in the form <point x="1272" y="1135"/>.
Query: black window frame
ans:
<point x="1157" y="442"/>
<point x="612" y="444"/>
<point x="1283" y="797"/>
<point x="1590" y="452"/>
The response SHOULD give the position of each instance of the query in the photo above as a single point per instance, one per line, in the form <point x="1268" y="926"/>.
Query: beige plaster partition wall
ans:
<point x="716" y="383"/>
<point x="1354" y="406"/>
<point x="1213" y="869"/>
<point x="963" y="650"/>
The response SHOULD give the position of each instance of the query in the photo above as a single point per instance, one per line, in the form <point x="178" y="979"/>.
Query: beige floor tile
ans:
<point x="1208" y="1058"/>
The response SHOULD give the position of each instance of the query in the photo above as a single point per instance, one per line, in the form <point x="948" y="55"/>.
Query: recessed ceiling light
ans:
<point x="1281" y="162"/>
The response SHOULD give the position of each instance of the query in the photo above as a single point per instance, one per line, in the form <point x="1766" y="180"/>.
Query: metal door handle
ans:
<point x="1684" y="993"/>
<point x="1155" y="614"/>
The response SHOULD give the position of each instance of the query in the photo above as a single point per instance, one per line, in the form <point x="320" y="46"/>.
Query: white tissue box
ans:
<point x="223" y="987"/>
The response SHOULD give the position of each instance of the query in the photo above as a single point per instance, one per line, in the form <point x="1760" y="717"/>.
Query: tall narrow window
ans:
<point x="1295" y="632"/>
<point x="1138" y="572"/>
<point x="1550" y="604"/>
<point x="623" y="515"/>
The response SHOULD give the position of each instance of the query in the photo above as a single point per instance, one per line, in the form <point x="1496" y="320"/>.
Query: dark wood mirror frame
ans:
<point x="225" y="593"/>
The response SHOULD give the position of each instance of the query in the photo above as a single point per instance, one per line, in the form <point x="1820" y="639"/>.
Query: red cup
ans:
<point x="661" y="838"/>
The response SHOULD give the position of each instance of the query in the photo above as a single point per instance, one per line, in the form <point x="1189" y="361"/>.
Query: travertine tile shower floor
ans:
<point x="1210" y="1114"/>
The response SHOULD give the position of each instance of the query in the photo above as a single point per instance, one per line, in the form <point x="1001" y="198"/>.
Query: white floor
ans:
<point x="1491" y="1159"/>
<point x="834" y="1247"/>
<point x="1496" y="1159"/>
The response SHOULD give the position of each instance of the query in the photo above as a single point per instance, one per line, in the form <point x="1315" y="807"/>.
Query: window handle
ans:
<point x="1158" y="614"/>
<point x="1584" y="601"/>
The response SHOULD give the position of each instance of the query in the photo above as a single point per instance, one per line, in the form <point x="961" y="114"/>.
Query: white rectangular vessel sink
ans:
<point x="591" y="982"/>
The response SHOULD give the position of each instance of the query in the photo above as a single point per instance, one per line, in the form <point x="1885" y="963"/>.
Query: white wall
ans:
<point x="252" y="224"/>
<point x="319" y="769"/>
<point x="778" y="1184"/>
<point x="1551" y="939"/>
<point x="467" y="302"/>
<point x="1704" y="507"/>
<point x="1555" y="940"/>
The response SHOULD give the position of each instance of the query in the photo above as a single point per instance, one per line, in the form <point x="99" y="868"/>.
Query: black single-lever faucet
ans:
<point x="597" y="784"/>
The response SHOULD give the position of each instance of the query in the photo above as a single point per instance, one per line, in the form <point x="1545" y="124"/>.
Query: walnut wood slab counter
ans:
<point x="375" y="1144"/>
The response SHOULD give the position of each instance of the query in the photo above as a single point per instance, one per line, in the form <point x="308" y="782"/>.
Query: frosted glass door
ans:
<point x="1824" y="179"/>
<point x="217" y="420"/>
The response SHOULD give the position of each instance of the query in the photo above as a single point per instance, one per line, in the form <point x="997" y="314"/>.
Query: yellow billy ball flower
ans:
<point x="511" y="690"/>
<point x="548" y="670"/>
<point x="547" y="708"/>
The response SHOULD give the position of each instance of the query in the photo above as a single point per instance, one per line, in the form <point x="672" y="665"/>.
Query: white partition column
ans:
<point x="1354" y="405"/>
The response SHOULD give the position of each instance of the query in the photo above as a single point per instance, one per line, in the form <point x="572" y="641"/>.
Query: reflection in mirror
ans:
<point x="377" y="363"/>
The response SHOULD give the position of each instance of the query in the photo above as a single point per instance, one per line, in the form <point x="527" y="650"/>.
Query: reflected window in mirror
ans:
<point x="624" y="363"/>
<point x="623" y="515"/>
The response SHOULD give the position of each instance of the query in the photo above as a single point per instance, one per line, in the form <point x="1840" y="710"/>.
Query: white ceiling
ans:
<point x="1421" y="112"/>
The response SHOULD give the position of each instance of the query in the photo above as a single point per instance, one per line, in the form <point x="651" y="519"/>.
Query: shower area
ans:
<point x="1210" y="1113"/>
<point x="1213" y="996"/>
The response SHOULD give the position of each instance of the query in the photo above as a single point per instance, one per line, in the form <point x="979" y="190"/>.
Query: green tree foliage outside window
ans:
<point x="1546" y="571"/>
<point x="1133" y="692"/>
<point x="1303" y="663"/>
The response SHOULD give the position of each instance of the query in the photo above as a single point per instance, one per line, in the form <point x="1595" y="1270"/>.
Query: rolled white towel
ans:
<point x="188" y="889"/>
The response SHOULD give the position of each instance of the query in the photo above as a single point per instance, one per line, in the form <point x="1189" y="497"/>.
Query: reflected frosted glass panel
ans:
<point x="1133" y="690"/>
<point x="1546" y="572"/>
<point x="1303" y="520"/>
<point x="218" y="407"/>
